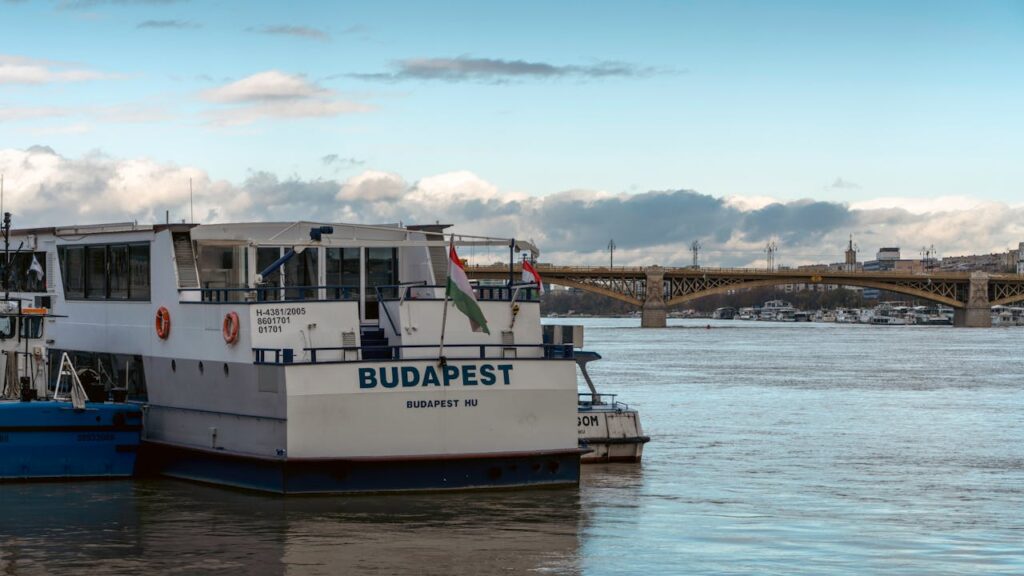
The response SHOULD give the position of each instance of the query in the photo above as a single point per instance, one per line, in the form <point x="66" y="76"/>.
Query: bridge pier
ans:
<point x="978" y="312"/>
<point x="653" y="312"/>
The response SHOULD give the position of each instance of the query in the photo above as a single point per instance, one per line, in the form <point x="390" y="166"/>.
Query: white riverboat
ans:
<point x="304" y="357"/>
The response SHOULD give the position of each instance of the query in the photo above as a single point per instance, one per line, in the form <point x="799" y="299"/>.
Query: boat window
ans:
<point x="31" y="327"/>
<point x="72" y="265"/>
<point x="301" y="270"/>
<point x="118" y="266"/>
<point x="381" y="270"/>
<point x="342" y="270"/>
<point x="105" y="271"/>
<point x="138" y="271"/>
<point x="96" y="272"/>
<point x="223" y="267"/>
<point x="265" y="256"/>
<point x="27" y="272"/>
<point x="6" y="327"/>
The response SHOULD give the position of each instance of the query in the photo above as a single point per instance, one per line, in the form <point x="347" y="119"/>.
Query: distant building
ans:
<point x="891" y="253"/>
<point x="1001" y="262"/>
<point x="1020" y="258"/>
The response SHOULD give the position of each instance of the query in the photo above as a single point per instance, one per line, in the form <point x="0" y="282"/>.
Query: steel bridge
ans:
<point x="970" y="294"/>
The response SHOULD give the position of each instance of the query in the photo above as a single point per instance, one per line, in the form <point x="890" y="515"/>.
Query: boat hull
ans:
<point x="45" y="440"/>
<point x="610" y="434"/>
<point x="362" y="475"/>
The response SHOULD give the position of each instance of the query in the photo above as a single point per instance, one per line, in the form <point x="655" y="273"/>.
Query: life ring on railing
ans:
<point x="230" y="327"/>
<point x="163" y="323"/>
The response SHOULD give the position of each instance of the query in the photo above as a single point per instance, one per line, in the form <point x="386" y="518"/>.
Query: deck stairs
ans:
<point x="373" y="344"/>
<point x="185" y="261"/>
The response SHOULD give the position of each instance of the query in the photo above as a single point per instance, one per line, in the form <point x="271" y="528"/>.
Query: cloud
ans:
<point x="24" y="70"/>
<point x="840" y="184"/>
<point x="169" y="24"/>
<point x="275" y="94"/>
<point x="45" y="188"/>
<point x="297" y="31"/>
<point x="464" y="68"/>
<point x="920" y="205"/>
<point x="264" y="86"/>
<point x="339" y="162"/>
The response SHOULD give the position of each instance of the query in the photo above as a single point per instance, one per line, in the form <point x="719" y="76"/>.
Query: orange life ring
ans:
<point x="163" y="323"/>
<point x="230" y="327"/>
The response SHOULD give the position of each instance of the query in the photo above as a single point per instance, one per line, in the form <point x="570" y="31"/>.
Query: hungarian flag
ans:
<point x="461" y="294"/>
<point x="530" y="274"/>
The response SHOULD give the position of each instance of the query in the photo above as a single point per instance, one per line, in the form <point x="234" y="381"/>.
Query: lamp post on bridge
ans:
<point x="770" y="250"/>
<point x="611" y="253"/>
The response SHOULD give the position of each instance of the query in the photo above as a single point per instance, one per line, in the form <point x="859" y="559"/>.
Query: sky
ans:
<point x="655" y="123"/>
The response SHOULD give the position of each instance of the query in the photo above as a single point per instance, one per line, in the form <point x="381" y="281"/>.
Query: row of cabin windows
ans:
<point x="342" y="266"/>
<point x="105" y="271"/>
<point x="23" y="276"/>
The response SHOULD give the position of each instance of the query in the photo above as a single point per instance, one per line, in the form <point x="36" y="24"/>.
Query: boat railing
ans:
<point x="259" y="294"/>
<point x="421" y="291"/>
<point x="486" y="352"/>
<point x="521" y="292"/>
<point x="590" y="400"/>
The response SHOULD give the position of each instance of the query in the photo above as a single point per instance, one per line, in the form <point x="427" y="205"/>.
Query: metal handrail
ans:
<point x="484" y="292"/>
<point x="599" y="399"/>
<point x="344" y="293"/>
<point x="287" y="355"/>
<point x="380" y="299"/>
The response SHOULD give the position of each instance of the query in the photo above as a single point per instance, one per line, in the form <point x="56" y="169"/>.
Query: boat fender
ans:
<point x="230" y="327"/>
<point x="163" y="323"/>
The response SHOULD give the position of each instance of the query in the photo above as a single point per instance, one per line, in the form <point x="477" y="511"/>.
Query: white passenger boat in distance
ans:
<point x="303" y="357"/>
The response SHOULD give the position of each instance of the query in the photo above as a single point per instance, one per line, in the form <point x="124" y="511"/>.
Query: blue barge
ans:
<point x="48" y="439"/>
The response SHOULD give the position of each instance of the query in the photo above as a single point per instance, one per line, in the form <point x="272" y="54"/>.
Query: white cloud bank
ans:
<point x="44" y="188"/>
<point x="24" y="70"/>
<point x="275" y="94"/>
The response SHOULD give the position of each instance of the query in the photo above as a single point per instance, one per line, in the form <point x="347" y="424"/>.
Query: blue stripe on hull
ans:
<point x="353" y="476"/>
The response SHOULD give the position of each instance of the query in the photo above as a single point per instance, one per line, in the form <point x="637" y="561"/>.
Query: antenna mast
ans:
<point x="191" y="212"/>
<point x="695" y="248"/>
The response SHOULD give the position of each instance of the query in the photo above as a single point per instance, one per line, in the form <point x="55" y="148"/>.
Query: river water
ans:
<point x="777" y="449"/>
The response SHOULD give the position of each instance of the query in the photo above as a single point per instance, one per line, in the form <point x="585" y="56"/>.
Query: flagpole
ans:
<point x="442" y="361"/>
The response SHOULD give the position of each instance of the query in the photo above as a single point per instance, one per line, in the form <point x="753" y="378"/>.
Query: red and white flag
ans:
<point x="530" y="274"/>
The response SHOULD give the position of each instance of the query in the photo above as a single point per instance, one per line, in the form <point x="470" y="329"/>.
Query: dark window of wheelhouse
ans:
<point x="265" y="256"/>
<point x="105" y="271"/>
<point x="342" y="272"/>
<point x="301" y="270"/>
<point x="72" y="267"/>
<point x="138" y="271"/>
<point x="7" y="324"/>
<point x="118" y="267"/>
<point x="31" y="327"/>
<point x="381" y="270"/>
<point x="26" y="272"/>
<point x="96" y="272"/>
